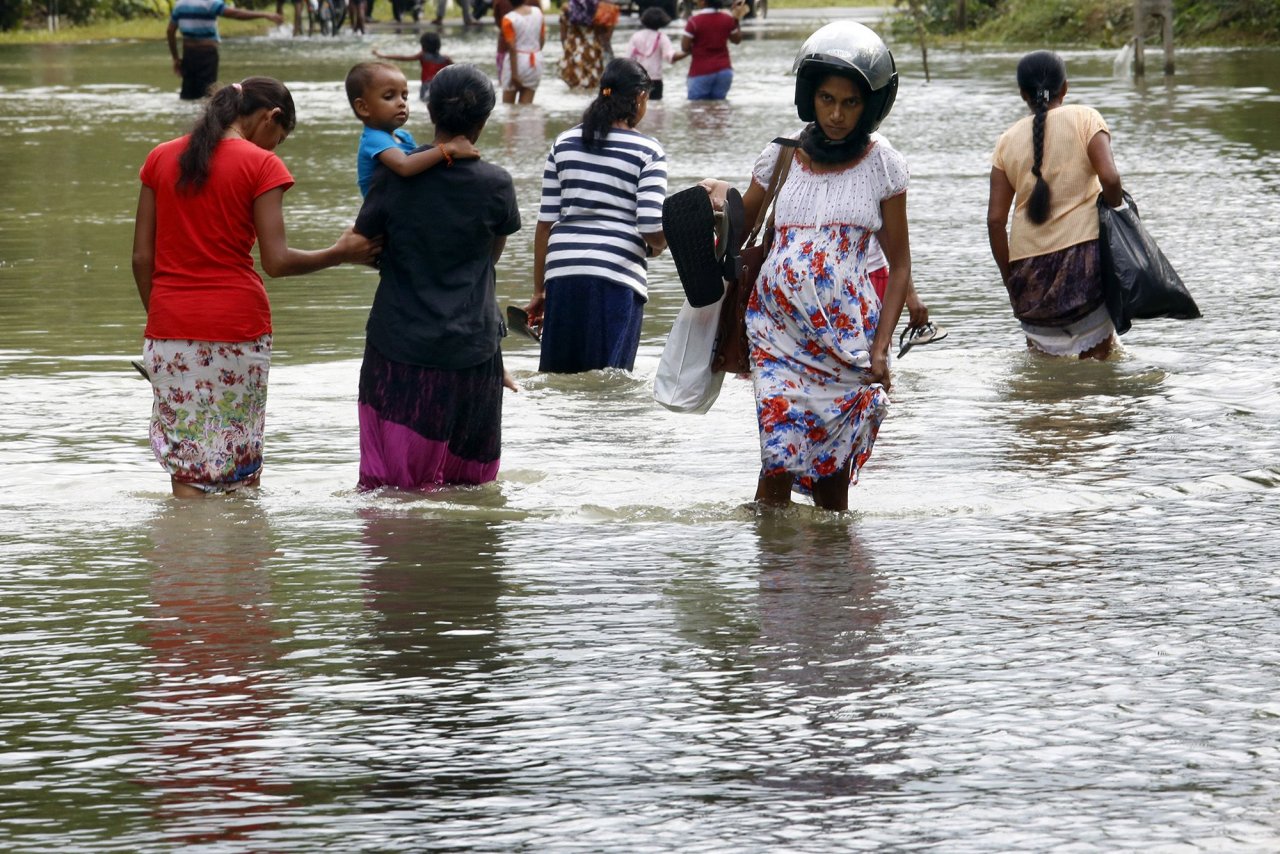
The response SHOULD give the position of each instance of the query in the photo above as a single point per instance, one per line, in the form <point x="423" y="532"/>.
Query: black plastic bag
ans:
<point x="1138" y="281"/>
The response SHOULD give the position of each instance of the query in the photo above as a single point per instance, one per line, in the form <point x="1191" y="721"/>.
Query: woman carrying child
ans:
<point x="600" y="219"/>
<point x="432" y="377"/>
<point x="819" y="334"/>
<point x="1051" y="166"/>
<point x="524" y="32"/>
<point x="206" y="198"/>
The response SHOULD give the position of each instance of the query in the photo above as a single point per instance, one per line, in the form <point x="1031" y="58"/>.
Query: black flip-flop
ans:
<point x="734" y="215"/>
<point x="518" y="321"/>
<point x="689" y="225"/>
<point x="137" y="366"/>
<point x="916" y="335"/>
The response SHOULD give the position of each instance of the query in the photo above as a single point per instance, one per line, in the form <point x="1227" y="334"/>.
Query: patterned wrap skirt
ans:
<point x="589" y="324"/>
<point x="426" y="427"/>
<point x="1058" y="299"/>
<point x="811" y="320"/>
<point x="209" y="407"/>
<point x="582" y="62"/>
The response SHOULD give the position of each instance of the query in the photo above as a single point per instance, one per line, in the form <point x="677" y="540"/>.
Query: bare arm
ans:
<point x="249" y="15"/>
<point x="896" y="243"/>
<point x="541" y="237"/>
<point x="1102" y="162"/>
<point x="405" y="165"/>
<point x="999" y="200"/>
<point x="144" y="244"/>
<point x="739" y="11"/>
<point x="171" y="35"/>
<point x="398" y="57"/>
<point x="917" y="311"/>
<point x="279" y="260"/>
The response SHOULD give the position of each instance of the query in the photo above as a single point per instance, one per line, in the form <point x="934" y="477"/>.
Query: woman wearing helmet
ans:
<point x="1051" y="166"/>
<point x="819" y="334"/>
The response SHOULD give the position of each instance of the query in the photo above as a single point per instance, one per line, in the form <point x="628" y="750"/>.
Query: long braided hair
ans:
<point x="1041" y="76"/>
<point x="621" y="85"/>
<point x="228" y="104"/>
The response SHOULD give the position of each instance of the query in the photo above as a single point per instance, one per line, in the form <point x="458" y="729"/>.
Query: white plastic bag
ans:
<point x="685" y="381"/>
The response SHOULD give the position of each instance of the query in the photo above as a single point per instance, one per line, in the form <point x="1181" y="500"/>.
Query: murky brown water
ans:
<point x="1051" y="622"/>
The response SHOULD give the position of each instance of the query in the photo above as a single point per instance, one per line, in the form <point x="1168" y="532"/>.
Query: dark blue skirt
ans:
<point x="589" y="323"/>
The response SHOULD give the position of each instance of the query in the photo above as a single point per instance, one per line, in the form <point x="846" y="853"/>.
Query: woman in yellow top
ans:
<point x="1050" y="166"/>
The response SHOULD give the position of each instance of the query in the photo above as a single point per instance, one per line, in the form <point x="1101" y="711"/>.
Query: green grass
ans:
<point x="136" y="29"/>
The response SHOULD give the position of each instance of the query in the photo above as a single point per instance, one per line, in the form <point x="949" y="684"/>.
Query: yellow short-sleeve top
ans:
<point x="1073" y="185"/>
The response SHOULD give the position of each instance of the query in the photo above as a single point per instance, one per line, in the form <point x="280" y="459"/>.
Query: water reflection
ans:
<point x="432" y="591"/>
<point x="1068" y="415"/>
<point x="211" y="693"/>
<point x="823" y="653"/>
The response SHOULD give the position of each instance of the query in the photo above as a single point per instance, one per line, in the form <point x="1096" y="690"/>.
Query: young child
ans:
<point x="379" y="95"/>
<point x="430" y="57"/>
<point x="651" y="48"/>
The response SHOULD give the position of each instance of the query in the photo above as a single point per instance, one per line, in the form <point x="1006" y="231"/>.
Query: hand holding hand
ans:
<point x="355" y="248"/>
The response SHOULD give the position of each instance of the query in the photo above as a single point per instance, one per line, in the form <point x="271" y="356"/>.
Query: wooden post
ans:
<point x="1143" y="10"/>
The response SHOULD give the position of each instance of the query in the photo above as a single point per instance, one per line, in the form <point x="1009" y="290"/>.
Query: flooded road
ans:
<point x="1052" y="621"/>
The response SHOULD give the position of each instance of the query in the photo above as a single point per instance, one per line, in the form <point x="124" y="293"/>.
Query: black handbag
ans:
<point x="1138" y="282"/>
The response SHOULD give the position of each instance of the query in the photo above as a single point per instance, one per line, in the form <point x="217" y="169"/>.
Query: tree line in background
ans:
<point x="1104" y="23"/>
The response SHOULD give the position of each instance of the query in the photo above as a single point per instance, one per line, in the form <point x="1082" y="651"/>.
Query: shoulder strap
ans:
<point x="776" y="180"/>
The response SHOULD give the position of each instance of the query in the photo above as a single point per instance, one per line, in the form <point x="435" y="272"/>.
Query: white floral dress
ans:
<point x="813" y="315"/>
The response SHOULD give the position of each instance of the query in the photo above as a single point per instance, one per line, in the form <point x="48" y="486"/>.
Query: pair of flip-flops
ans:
<point x="915" y="336"/>
<point x="703" y="242"/>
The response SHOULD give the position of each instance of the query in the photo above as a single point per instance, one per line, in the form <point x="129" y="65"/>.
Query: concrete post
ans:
<point x="1143" y="11"/>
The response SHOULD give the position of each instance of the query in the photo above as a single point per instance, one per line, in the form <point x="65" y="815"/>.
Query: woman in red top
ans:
<point x="706" y="38"/>
<point x="206" y="198"/>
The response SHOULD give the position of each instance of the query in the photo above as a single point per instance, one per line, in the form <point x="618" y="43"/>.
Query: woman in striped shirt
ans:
<point x="600" y="219"/>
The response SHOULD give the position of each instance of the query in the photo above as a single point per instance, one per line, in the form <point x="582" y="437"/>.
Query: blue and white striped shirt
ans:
<point x="601" y="201"/>
<point x="198" y="19"/>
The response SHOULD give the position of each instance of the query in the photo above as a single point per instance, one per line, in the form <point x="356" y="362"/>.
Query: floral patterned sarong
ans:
<point x="811" y="320"/>
<point x="209" y="409"/>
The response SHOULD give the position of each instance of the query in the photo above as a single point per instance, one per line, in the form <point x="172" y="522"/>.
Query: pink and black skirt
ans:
<point x="426" y="427"/>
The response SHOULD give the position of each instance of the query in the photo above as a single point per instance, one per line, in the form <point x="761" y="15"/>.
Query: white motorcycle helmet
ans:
<point x="851" y="50"/>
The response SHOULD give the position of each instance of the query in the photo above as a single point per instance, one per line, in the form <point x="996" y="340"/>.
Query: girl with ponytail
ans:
<point x="206" y="198"/>
<point x="600" y="219"/>
<point x="1050" y="167"/>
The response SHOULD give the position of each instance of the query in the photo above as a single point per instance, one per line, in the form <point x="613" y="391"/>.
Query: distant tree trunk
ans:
<point x="919" y="14"/>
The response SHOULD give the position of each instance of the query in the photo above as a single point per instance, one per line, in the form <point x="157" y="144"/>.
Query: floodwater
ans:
<point x="1052" y="620"/>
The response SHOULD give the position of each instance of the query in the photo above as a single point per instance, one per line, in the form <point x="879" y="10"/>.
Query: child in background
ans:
<point x="379" y="96"/>
<point x="651" y="48"/>
<point x="429" y="56"/>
